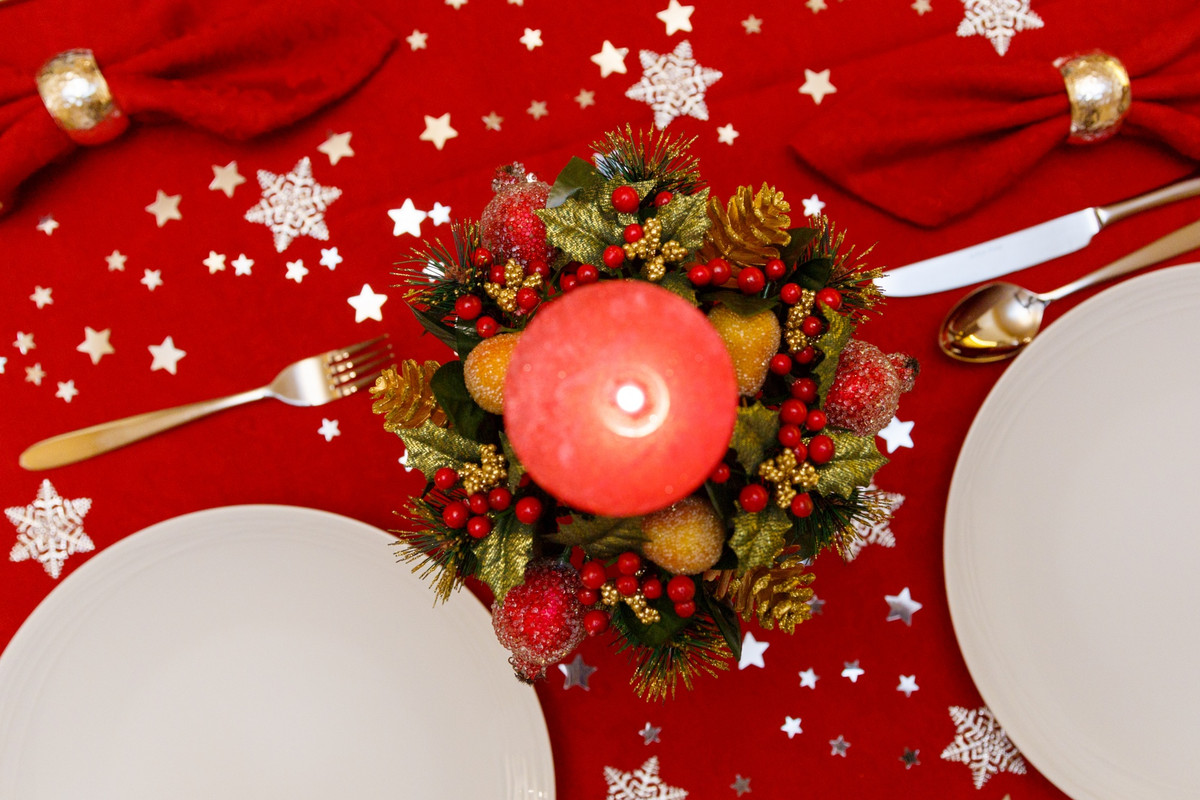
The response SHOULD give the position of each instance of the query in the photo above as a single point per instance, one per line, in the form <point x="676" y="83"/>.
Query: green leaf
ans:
<point x="465" y="340"/>
<point x="755" y="432"/>
<point x="431" y="447"/>
<point x="727" y="622"/>
<point x="677" y="283"/>
<point x="515" y="468"/>
<point x="444" y="332"/>
<point x="814" y="274"/>
<point x="797" y="246"/>
<point x="685" y="219"/>
<point x="581" y="230"/>
<point x="831" y="344"/>
<point x="450" y="389"/>
<point x="503" y="555"/>
<point x="740" y="304"/>
<point x="656" y="634"/>
<point x="601" y="537"/>
<point x="758" y="538"/>
<point x="576" y="175"/>
<point x="855" y="461"/>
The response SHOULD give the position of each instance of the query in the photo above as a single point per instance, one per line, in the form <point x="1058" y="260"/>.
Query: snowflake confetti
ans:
<point x="293" y="205"/>
<point x="673" y="85"/>
<point x="50" y="529"/>
<point x="641" y="784"/>
<point x="998" y="20"/>
<point x="982" y="744"/>
<point x="880" y="532"/>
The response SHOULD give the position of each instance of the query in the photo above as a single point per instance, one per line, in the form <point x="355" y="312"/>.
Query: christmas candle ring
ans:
<point x="1099" y="89"/>
<point x="77" y="96"/>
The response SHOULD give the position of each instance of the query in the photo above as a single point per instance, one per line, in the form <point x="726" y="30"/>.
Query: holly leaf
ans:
<point x="503" y="554"/>
<point x="797" y="245"/>
<point x="685" y="219"/>
<point x="601" y="537"/>
<point x="444" y="333"/>
<point x="581" y="230"/>
<point x="576" y="175"/>
<point x="758" y="538"/>
<point x="831" y="344"/>
<point x="677" y="283"/>
<point x="450" y="389"/>
<point x="753" y="434"/>
<point x="855" y="461"/>
<point x="741" y="304"/>
<point x="814" y="273"/>
<point x="515" y="468"/>
<point x="431" y="447"/>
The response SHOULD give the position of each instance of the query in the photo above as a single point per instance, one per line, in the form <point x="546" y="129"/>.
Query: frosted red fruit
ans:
<point x="907" y="369"/>
<point x="866" y="389"/>
<point x="540" y="621"/>
<point x="509" y="227"/>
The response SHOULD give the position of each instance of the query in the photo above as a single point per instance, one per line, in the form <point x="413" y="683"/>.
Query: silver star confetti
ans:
<point x="50" y="529"/>
<point x="649" y="734"/>
<point x="838" y="746"/>
<point x="740" y="785"/>
<point x="910" y="758"/>
<point x="293" y="204"/>
<point x="851" y="670"/>
<point x="576" y="673"/>
<point x="980" y="743"/>
<point x="901" y="606"/>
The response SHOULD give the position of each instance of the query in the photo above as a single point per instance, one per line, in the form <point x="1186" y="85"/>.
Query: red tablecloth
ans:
<point x="518" y="81"/>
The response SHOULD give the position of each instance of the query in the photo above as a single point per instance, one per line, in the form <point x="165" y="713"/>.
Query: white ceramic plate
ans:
<point x="1073" y="545"/>
<point x="262" y="652"/>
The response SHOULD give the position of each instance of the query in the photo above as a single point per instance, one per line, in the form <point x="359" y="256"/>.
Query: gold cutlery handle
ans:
<point x="1145" y="202"/>
<point x="82" y="444"/>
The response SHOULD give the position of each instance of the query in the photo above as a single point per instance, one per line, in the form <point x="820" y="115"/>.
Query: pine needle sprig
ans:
<point x="438" y="273"/>
<point x="438" y="552"/>
<point x="850" y="275"/>
<point x="698" y="648"/>
<point x="649" y="155"/>
<point x="832" y="523"/>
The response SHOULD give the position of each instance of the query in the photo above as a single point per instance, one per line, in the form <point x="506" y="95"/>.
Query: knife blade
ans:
<point x="1024" y="248"/>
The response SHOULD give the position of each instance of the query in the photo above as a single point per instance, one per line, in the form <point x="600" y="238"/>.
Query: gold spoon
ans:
<point x="997" y="320"/>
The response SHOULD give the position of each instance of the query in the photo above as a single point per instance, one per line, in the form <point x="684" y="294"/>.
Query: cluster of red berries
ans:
<point x="472" y="512"/>
<point x="626" y="201"/>
<point x="628" y="577"/>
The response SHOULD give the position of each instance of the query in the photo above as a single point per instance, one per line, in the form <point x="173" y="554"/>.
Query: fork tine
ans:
<point x="350" y="388"/>
<point x="371" y="363"/>
<point x="336" y="356"/>
<point x="357" y="362"/>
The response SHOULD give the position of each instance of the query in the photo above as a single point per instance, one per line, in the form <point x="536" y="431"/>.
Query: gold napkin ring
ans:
<point x="1099" y="91"/>
<point x="77" y="97"/>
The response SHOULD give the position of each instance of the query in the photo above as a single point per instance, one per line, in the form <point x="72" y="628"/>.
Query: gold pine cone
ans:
<point x="750" y="231"/>
<point x="405" y="398"/>
<point x="775" y="595"/>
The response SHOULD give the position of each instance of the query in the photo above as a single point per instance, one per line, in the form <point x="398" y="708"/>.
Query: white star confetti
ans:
<point x="151" y="279"/>
<point x="368" y="304"/>
<point x="35" y="374"/>
<point x="226" y="179"/>
<point x="116" y="261"/>
<point x="878" y="531"/>
<point x="165" y="207"/>
<point x="576" y="673"/>
<point x="922" y="7"/>
<point x="901" y="606"/>
<point x="242" y="265"/>
<point x="676" y="17"/>
<point x="980" y="743"/>
<point x="41" y="296"/>
<point x="3" y="361"/>
<point x="531" y="38"/>
<point x="998" y="20"/>
<point x="537" y="109"/>
<point x="791" y="726"/>
<point x="24" y="342"/>
<point x="851" y="670"/>
<point x="407" y="218"/>
<point x="641" y="784"/>
<point x="95" y="344"/>
<point x="404" y="462"/>
<point x="908" y="685"/>
<point x="492" y="121"/>
<point x="813" y="206"/>
<point x="66" y="390"/>
<point x="673" y="84"/>
<point x="817" y="85"/>
<point x="649" y="733"/>
<point x="293" y="204"/>
<point x="50" y="529"/>
<point x="296" y="270"/>
<point x="166" y="356"/>
<point x="809" y="678"/>
<point x="215" y="262"/>
<point x="610" y="59"/>
<point x="726" y="134"/>
<point x="330" y="258"/>
<point x="438" y="130"/>
<point x="752" y="652"/>
<point x="897" y="434"/>
<point x="337" y="147"/>
<point x="839" y="746"/>
<point x="439" y="214"/>
<point x="417" y="40"/>
<point x="585" y="98"/>
<point x="752" y="24"/>
<point x="329" y="429"/>
<point x="816" y="5"/>
<point x="47" y="224"/>
<point x="456" y="4"/>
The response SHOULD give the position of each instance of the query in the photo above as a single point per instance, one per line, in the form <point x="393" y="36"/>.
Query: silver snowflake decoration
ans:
<point x="673" y="85"/>
<point x="49" y="529"/>
<point x="998" y="20"/>
<point x="879" y="532"/>
<point x="982" y="744"/>
<point x="293" y="205"/>
<point x="641" y="784"/>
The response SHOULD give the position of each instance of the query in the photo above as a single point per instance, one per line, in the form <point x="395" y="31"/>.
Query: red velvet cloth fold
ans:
<point x="953" y="118"/>
<point x="243" y="71"/>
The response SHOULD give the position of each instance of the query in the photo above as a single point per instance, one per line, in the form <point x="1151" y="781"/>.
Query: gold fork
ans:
<point x="312" y="381"/>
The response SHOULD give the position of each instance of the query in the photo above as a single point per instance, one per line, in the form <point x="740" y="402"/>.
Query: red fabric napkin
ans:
<point x="964" y="123"/>
<point x="237" y="72"/>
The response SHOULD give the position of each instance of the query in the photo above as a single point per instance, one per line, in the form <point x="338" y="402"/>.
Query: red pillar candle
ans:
<point x="620" y="398"/>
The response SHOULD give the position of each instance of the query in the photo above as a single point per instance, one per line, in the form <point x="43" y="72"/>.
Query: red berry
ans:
<point x="751" y="280"/>
<point x="456" y="514"/>
<point x="613" y="256"/>
<point x="478" y="503"/>
<point x="633" y="233"/>
<point x="720" y="270"/>
<point x="801" y="453"/>
<point x="720" y="474"/>
<point x="820" y="449"/>
<point x="681" y="588"/>
<point x="662" y="198"/>
<point x="807" y="354"/>
<point x="652" y="588"/>
<point x="568" y="282"/>
<point x="468" y="306"/>
<point x="811" y="326"/>
<point x="792" y="411"/>
<point x="496" y="273"/>
<point x="789" y="435"/>
<point x="499" y="498"/>
<point x="775" y="269"/>
<point x="700" y="275"/>
<point x="527" y="298"/>
<point x="479" y="527"/>
<point x="587" y="273"/>
<point x="595" y="622"/>
<point x="685" y="609"/>
<point x="539" y="267"/>
<point x="629" y="563"/>
<point x="830" y="297"/>
<point x="626" y="585"/>
<point x="482" y="257"/>
<point x="790" y="293"/>
<point x="625" y="199"/>
<point x="589" y="597"/>
<point x="781" y="364"/>
<point x="486" y="327"/>
<point x="805" y="390"/>
<point x="592" y="575"/>
<point x="529" y="509"/>
<point x="445" y="478"/>
<point x="753" y="498"/>
<point x="802" y="505"/>
<point x="815" y="420"/>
